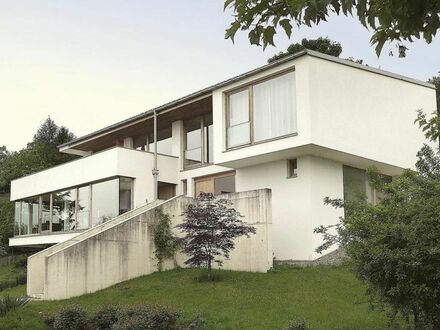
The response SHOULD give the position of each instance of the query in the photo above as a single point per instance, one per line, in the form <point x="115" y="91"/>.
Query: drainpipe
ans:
<point x="155" y="171"/>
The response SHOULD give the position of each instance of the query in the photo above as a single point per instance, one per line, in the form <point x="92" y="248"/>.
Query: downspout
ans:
<point x="155" y="170"/>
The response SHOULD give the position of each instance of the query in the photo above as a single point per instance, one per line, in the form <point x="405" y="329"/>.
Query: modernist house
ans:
<point x="305" y="127"/>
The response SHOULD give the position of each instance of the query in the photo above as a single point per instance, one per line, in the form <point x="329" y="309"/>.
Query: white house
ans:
<point x="306" y="127"/>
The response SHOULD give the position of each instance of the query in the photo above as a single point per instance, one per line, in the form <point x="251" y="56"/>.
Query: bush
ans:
<point x="21" y="262"/>
<point x="105" y="317"/>
<point x="297" y="324"/>
<point x="70" y="318"/>
<point x="8" y="303"/>
<point x="146" y="318"/>
<point x="21" y="279"/>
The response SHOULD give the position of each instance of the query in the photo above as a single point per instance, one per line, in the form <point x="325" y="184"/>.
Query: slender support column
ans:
<point x="155" y="170"/>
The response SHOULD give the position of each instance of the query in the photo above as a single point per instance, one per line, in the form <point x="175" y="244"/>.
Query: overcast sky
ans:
<point x="89" y="63"/>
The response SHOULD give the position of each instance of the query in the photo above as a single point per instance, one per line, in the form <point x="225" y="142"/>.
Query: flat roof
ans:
<point x="208" y="90"/>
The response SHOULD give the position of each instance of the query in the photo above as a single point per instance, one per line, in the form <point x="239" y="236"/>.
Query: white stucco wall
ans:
<point x="341" y="108"/>
<point x="113" y="162"/>
<point x="297" y="203"/>
<point x="366" y="114"/>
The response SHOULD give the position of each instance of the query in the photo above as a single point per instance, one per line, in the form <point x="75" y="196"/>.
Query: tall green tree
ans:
<point x="40" y="153"/>
<point x="394" y="246"/>
<point x="322" y="45"/>
<point x="399" y="21"/>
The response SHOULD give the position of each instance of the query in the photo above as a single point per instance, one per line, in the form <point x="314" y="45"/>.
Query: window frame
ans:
<point x="249" y="86"/>
<point x="290" y="173"/>
<point x="203" y="146"/>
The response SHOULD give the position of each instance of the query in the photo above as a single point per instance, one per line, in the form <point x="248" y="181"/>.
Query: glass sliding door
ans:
<point x="45" y="212"/>
<point x="105" y="201"/>
<point x="30" y="209"/>
<point x="83" y="209"/>
<point x="63" y="210"/>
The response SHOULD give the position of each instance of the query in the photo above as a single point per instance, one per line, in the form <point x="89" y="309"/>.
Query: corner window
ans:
<point x="292" y="168"/>
<point x="262" y="111"/>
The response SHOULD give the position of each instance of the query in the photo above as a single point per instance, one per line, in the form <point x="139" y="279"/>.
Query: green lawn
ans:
<point x="327" y="297"/>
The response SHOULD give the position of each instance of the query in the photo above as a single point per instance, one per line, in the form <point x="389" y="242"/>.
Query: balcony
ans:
<point x="56" y="204"/>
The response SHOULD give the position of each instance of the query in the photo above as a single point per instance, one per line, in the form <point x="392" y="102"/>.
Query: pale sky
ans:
<point x="89" y="63"/>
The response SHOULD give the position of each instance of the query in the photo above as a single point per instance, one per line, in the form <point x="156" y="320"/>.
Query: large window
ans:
<point x="75" y="208"/>
<point x="29" y="216"/>
<point x="105" y="201"/>
<point x="164" y="142"/>
<point x="198" y="141"/>
<point x="63" y="210"/>
<point x="45" y="212"/>
<point x="83" y="210"/>
<point x="125" y="194"/>
<point x="262" y="111"/>
<point x="356" y="184"/>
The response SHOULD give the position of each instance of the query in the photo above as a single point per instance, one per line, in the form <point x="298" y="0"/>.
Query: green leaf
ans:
<point x="227" y="3"/>
<point x="285" y="24"/>
<point x="230" y="33"/>
<point x="268" y="34"/>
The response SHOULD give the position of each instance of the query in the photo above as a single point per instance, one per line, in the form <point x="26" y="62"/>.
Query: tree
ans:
<point x="210" y="226"/>
<point x="395" y="246"/>
<point x="39" y="154"/>
<point x="399" y="21"/>
<point x="322" y="45"/>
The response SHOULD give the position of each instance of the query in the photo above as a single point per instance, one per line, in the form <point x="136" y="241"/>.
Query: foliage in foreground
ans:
<point x="144" y="317"/>
<point x="210" y="226"/>
<point x="165" y="243"/>
<point x="8" y="303"/>
<point x="395" y="245"/>
<point x="403" y="20"/>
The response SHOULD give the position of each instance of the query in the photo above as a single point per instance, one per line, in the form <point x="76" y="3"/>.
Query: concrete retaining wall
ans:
<point x="126" y="250"/>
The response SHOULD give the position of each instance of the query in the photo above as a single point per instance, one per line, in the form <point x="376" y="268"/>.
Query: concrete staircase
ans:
<point x="37" y="263"/>
<point x="123" y="248"/>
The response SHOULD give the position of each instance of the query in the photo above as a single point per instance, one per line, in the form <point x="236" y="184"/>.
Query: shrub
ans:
<point x="7" y="284"/>
<point x="105" y="317"/>
<point x="8" y="303"/>
<point x="146" y="318"/>
<point x="21" y="279"/>
<point x="70" y="318"/>
<point x="297" y="324"/>
<point x="21" y="262"/>
<point x="165" y="242"/>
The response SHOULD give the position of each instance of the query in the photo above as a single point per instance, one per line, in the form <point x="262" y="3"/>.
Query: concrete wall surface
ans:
<point x="125" y="250"/>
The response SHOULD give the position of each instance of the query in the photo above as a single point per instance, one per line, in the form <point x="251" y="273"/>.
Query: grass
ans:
<point x="326" y="297"/>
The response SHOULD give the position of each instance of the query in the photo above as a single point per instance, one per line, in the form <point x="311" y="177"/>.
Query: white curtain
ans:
<point x="274" y="107"/>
